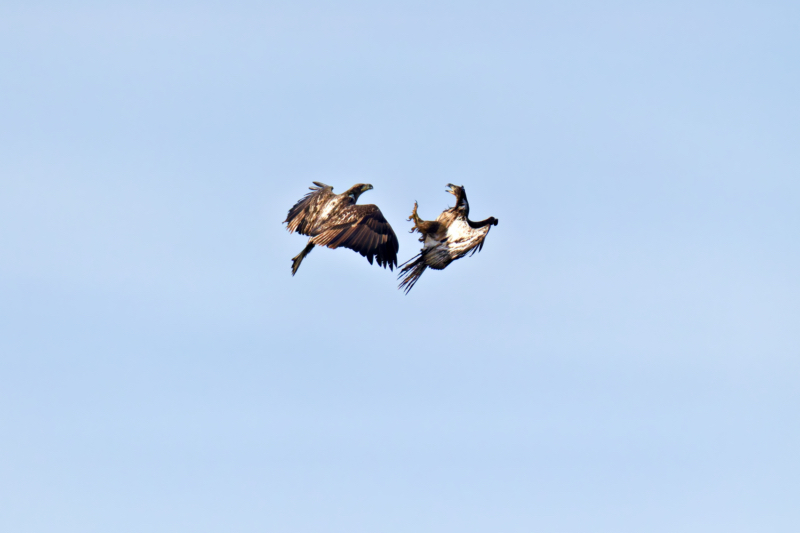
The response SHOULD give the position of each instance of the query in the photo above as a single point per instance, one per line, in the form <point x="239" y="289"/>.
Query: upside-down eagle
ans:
<point x="334" y="220"/>
<point x="451" y="236"/>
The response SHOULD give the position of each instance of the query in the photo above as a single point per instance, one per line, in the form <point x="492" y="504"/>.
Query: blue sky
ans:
<point x="621" y="356"/>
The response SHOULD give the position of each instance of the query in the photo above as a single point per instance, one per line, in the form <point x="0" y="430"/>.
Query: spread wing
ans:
<point x="362" y="228"/>
<point x="303" y="215"/>
<point x="459" y="241"/>
<point x="463" y="239"/>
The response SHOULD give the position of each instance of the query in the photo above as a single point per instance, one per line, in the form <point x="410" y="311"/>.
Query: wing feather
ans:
<point x="302" y="216"/>
<point x="363" y="228"/>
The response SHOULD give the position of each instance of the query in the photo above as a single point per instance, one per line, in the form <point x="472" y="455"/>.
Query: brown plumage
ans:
<point x="334" y="220"/>
<point x="451" y="236"/>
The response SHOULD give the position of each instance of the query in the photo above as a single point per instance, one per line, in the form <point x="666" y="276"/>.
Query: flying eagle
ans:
<point x="334" y="220"/>
<point x="451" y="236"/>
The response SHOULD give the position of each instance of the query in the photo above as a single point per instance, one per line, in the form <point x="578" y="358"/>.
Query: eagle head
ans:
<point x="455" y="190"/>
<point x="461" y="196"/>
<point x="357" y="190"/>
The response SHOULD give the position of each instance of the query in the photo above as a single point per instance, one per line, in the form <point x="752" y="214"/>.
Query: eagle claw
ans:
<point x="415" y="217"/>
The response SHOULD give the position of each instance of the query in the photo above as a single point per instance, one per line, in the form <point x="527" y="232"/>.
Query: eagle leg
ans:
<point x="414" y="216"/>
<point x="417" y="220"/>
<point x="424" y="227"/>
<point x="296" y="260"/>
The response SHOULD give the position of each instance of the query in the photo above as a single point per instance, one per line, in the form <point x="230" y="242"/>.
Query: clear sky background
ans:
<point x="622" y="356"/>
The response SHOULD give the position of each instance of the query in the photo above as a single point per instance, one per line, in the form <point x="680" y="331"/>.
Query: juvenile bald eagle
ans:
<point x="334" y="220"/>
<point x="451" y="236"/>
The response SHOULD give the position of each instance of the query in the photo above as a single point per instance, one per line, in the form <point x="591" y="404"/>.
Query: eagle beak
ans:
<point x="450" y="188"/>
<point x="366" y="187"/>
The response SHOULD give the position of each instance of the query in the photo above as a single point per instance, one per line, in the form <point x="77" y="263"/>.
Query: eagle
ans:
<point x="334" y="220"/>
<point x="451" y="236"/>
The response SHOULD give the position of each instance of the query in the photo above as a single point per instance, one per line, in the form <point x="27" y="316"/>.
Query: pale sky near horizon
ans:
<point x="622" y="356"/>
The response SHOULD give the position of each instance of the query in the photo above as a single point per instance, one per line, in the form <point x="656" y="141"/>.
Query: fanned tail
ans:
<point x="296" y="260"/>
<point x="410" y="272"/>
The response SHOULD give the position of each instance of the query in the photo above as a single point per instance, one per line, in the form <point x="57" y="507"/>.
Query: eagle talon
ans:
<point x="415" y="217"/>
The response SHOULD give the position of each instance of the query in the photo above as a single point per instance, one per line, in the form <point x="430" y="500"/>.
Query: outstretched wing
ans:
<point x="364" y="229"/>
<point x="463" y="239"/>
<point x="303" y="215"/>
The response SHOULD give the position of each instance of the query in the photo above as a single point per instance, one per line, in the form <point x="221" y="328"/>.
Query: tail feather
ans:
<point x="410" y="272"/>
<point x="296" y="260"/>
